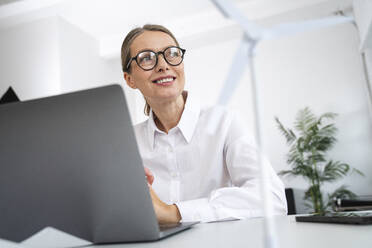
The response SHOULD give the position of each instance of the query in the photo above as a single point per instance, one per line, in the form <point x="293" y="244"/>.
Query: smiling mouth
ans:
<point x="164" y="80"/>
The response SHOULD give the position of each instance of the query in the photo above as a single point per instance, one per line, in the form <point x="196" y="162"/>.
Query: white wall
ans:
<point x="29" y="59"/>
<point x="81" y="65"/>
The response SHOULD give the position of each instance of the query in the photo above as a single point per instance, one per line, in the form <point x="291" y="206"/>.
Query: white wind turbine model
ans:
<point x="244" y="55"/>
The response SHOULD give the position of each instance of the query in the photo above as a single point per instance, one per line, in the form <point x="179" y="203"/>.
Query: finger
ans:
<point x="152" y="194"/>
<point x="149" y="176"/>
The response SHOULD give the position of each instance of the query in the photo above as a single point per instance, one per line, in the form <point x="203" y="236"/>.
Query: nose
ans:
<point x="162" y="64"/>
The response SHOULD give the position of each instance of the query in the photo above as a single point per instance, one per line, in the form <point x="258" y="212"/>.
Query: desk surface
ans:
<point x="249" y="233"/>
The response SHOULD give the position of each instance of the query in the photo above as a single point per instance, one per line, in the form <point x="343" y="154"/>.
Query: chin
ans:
<point x="169" y="95"/>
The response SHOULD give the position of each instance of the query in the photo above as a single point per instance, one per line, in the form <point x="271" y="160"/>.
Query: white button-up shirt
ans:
<point x="209" y="176"/>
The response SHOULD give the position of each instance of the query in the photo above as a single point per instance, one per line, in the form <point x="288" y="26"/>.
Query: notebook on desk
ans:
<point x="71" y="162"/>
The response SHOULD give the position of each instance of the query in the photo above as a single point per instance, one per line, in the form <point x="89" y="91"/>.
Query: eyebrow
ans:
<point x="153" y="50"/>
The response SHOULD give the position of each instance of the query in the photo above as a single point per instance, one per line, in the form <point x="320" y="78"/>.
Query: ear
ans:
<point x="129" y="79"/>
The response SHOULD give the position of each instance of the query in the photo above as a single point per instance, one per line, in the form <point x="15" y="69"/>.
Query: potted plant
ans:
<point x="314" y="137"/>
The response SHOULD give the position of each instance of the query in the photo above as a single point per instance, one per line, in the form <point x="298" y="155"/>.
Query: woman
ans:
<point x="198" y="176"/>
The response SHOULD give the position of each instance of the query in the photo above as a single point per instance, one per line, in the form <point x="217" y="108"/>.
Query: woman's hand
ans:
<point x="149" y="176"/>
<point x="166" y="214"/>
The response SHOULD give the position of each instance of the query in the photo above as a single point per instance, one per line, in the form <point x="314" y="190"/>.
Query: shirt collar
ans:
<point x="190" y="117"/>
<point x="151" y="129"/>
<point x="186" y="125"/>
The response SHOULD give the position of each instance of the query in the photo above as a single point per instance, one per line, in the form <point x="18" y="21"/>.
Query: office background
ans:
<point x="56" y="46"/>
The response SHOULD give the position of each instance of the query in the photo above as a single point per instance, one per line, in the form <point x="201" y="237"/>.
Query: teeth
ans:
<point x="164" y="80"/>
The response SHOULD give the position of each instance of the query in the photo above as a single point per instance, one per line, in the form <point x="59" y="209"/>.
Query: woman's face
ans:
<point x="148" y="81"/>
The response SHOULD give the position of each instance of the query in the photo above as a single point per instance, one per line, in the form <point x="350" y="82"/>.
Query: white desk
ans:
<point x="248" y="233"/>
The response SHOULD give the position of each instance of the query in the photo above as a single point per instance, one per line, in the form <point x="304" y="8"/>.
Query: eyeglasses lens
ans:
<point x="147" y="60"/>
<point x="173" y="55"/>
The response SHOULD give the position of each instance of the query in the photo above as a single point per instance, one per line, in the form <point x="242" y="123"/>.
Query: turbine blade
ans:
<point x="239" y="63"/>
<point x="287" y="29"/>
<point x="252" y="30"/>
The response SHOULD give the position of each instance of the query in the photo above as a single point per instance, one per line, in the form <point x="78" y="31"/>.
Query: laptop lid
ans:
<point x="71" y="162"/>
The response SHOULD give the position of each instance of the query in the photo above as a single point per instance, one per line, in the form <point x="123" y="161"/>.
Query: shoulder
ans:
<point x="227" y="123"/>
<point x="218" y="116"/>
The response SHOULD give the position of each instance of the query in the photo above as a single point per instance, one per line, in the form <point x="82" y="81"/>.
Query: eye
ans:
<point x="173" y="54"/>
<point x="146" y="57"/>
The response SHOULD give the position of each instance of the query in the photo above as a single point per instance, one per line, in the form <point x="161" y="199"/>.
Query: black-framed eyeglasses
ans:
<point x="148" y="59"/>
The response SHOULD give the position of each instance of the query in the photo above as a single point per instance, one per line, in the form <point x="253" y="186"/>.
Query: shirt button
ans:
<point x="170" y="149"/>
<point x="174" y="174"/>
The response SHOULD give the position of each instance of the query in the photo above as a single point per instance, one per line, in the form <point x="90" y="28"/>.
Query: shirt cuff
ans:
<point x="196" y="210"/>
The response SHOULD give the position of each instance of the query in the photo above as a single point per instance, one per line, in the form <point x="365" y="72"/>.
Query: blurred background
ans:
<point x="55" y="46"/>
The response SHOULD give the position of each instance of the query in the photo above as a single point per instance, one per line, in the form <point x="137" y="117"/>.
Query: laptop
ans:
<point x="71" y="162"/>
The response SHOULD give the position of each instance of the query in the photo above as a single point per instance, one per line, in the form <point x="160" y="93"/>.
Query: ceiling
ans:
<point x="102" y="17"/>
<point x="107" y="20"/>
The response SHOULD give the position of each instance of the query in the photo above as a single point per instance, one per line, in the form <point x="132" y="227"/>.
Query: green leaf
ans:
<point x="304" y="121"/>
<point x="300" y="170"/>
<point x="328" y="130"/>
<point x="317" y="158"/>
<point x="288" y="134"/>
<point x="354" y="170"/>
<point x="295" y="157"/>
<point x="333" y="171"/>
<point x="286" y="173"/>
<point x="328" y="115"/>
<point x="323" y="143"/>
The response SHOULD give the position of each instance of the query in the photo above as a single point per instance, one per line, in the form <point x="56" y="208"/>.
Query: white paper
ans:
<point x="53" y="238"/>
<point x="9" y="244"/>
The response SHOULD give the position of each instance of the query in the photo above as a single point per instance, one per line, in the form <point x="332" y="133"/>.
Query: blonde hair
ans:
<point x="125" y="48"/>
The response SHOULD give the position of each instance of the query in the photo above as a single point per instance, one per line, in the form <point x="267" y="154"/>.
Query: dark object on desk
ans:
<point x="74" y="165"/>
<point x="360" y="203"/>
<point x="9" y="96"/>
<point x="289" y="195"/>
<point x="361" y="218"/>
